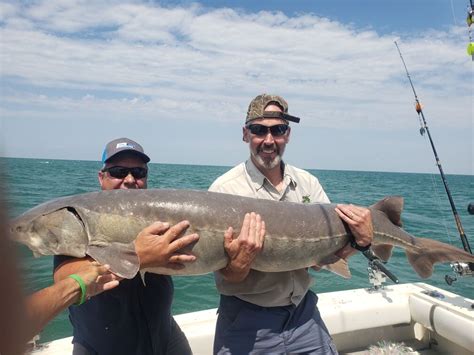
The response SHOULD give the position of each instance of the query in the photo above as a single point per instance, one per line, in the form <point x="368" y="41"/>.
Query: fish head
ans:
<point x="58" y="232"/>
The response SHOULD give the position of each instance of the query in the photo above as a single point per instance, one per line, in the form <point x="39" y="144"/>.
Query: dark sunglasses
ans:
<point x="121" y="172"/>
<point x="261" y="130"/>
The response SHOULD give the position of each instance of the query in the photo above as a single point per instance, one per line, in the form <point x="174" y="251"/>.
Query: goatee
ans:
<point x="267" y="164"/>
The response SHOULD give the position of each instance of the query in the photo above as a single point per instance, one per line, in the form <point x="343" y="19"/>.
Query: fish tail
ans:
<point x="427" y="252"/>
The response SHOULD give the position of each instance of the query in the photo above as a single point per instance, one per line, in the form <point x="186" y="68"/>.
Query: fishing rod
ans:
<point x="470" y="21"/>
<point x="459" y="268"/>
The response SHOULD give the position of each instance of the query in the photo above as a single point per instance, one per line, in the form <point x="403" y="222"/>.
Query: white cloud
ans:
<point x="115" y="59"/>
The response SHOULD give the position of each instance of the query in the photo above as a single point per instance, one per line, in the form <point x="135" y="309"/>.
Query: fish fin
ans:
<point x="392" y="206"/>
<point x="340" y="267"/>
<point x="429" y="252"/>
<point x="142" y="276"/>
<point x="122" y="258"/>
<point x="383" y="251"/>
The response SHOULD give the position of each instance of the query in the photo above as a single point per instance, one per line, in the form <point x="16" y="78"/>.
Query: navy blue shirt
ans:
<point x="132" y="318"/>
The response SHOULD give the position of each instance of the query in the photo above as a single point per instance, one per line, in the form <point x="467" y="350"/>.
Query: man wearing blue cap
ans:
<point x="135" y="317"/>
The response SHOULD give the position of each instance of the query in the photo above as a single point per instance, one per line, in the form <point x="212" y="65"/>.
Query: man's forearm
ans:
<point x="71" y="267"/>
<point x="44" y="305"/>
<point x="234" y="274"/>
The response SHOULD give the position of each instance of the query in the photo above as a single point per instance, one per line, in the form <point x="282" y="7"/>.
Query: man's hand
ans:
<point x="243" y="250"/>
<point x="359" y="220"/>
<point x="97" y="278"/>
<point x="157" y="245"/>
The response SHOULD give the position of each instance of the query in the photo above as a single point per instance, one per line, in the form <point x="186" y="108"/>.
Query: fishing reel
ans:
<point x="378" y="272"/>
<point x="459" y="270"/>
<point x="376" y="277"/>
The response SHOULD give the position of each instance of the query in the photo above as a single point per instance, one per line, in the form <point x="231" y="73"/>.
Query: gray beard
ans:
<point x="267" y="164"/>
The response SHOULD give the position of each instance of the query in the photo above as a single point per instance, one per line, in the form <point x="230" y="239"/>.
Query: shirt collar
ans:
<point x="258" y="179"/>
<point x="288" y="175"/>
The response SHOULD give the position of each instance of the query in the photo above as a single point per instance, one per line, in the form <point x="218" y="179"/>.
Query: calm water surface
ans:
<point x="426" y="213"/>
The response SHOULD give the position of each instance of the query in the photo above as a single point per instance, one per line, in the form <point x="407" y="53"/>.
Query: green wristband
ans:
<point x="82" y="284"/>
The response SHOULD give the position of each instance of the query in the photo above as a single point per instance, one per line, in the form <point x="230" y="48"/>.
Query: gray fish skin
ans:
<point x="104" y="224"/>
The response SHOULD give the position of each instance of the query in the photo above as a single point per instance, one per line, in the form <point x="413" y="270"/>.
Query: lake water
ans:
<point x="426" y="214"/>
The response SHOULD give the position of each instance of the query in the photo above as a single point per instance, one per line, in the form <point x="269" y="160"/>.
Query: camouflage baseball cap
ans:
<point x="257" y="108"/>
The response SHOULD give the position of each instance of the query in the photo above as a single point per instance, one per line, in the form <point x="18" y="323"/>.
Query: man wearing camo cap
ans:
<point x="272" y="312"/>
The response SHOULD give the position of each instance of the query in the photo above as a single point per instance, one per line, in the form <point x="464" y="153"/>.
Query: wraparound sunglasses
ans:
<point x="261" y="130"/>
<point x="120" y="172"/>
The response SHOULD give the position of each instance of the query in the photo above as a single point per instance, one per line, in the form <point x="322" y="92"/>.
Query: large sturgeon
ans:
<point x="104" y="225"/>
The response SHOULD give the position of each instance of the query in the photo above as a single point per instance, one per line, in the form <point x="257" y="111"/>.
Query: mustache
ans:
<point x="266" y="148"/>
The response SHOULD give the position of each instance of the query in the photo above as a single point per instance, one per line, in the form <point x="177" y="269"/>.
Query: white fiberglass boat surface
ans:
<point x="424" y="318"/>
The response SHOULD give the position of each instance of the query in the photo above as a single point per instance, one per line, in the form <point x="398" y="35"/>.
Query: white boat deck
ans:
<point x="359" y="318"/>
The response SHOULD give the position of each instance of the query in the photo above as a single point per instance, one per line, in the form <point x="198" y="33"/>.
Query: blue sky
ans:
<point x="177" y="76"/>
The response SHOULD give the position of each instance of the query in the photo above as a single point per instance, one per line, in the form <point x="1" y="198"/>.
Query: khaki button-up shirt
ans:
<point x="269" y="289"/>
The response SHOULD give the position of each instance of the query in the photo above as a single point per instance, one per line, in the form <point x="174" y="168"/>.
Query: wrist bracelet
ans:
<point x="358" y="247"/>
<point x="82" y="284"/>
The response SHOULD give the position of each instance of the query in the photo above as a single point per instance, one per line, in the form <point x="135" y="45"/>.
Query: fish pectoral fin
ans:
<point x="383" y="251"/>
<point x="122" y="258"/>
<point x="340" y="267"/>
<point x="142" y="276"/>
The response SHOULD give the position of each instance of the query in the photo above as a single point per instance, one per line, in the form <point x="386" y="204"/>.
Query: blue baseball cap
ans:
<point x="123" y="145"/>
